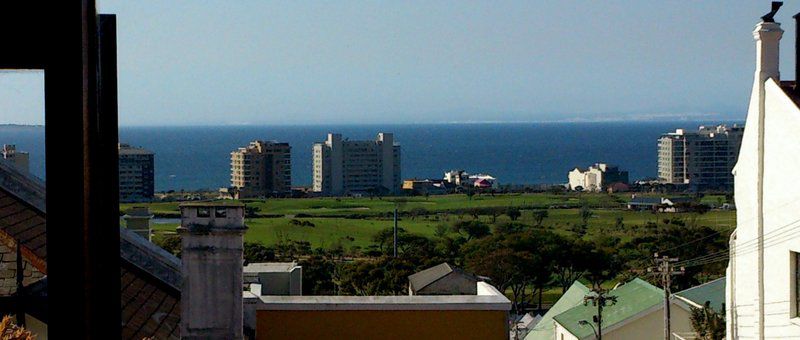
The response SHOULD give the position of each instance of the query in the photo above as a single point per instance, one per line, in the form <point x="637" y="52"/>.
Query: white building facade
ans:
<point x="345" y="167"/>
<point x="762" y="296"/>
<point x="596" y="177"/>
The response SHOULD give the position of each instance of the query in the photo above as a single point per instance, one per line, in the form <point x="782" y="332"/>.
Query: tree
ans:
<point x="539" y="216"/>
<point x="472" y="229"/>
<point x="384" y="276"/>
<point x="251" y="211"/>
<point x="170" y="243"/>
<point x="570" y="259"/>
<point x="257" y="252"/>
<point x="585" y="214"/>
<point x="707" y="323"/>
<point x="513" y="213"/>
<point x="318" y="275"/>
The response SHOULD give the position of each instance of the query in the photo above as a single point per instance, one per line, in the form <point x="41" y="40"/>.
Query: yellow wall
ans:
<point x="389" y="324"/>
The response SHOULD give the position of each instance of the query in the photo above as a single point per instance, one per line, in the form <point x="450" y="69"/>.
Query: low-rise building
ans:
<point x="480" y="316"/>
<point x="659" y="204"/>
<point x="462" y="178"/>
<point x="136" y="174"/>
<point x="596" y="178"/>
<point x="426" y="186"/>
<point x="442" y="279"/>
<point x="637" y="314"/>
<point x="19" y="159"/>
<point x="274" y="278"/>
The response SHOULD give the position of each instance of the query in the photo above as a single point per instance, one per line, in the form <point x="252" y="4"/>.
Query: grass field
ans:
<point x="358" y="232"/>
<point x="366" y="206"/>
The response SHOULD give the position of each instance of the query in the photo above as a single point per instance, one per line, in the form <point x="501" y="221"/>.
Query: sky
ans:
<point x="255" y="62"/>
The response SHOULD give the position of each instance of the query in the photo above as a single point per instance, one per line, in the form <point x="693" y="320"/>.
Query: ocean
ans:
<point x="197" y="157"/>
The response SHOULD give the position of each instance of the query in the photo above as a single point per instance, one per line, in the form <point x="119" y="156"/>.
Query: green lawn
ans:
<point x="330" y="230"/>
<point x="365" y="206"/>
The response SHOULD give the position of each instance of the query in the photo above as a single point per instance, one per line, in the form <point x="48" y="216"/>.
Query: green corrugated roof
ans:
<point x="572" y="297"/>
<point x="713" y="291"/>
<point x="632" y="298"/>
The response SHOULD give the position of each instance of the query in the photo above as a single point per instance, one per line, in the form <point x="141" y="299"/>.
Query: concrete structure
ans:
<point x="137" y="220"/>
<point x="638" y="313"/>
<point x="442" y="279"/>
<point x="261" y="169"/>
<point x="703" y="158"/>
<point x="136" y="174"/>
<point x="596" y="177"/>
<point x="763" y="297"/>
<point x="212" y="256"/>
<point x="345" y="167"/>
<point x="19" y="159"/>
<point x="274" y="278"/>
<point x="483" y="316"/>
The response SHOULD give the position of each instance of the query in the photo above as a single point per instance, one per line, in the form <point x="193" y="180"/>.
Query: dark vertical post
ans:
<point x="65" y="102"/>
<point x="105" y="232"/>
<point x="796" y="51"/>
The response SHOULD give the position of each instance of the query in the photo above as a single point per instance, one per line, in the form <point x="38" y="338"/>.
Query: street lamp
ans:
<point x="587" y="323"/>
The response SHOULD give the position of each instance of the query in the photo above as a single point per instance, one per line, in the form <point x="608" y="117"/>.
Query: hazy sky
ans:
<point x="303" y="62"/>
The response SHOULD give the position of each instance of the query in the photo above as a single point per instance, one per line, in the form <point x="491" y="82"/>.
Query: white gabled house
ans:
<point x="763" y="294"/>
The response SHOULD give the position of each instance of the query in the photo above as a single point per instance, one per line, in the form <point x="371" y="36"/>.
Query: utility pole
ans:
<point x="599" y="299"/>
<point x="394" y="242"/>
<point x="665" y="268"/>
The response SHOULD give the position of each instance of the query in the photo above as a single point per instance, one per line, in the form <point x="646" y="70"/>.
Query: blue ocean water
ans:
<point x="198" y="157"/>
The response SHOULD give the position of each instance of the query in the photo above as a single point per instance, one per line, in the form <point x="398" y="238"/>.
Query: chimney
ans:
<point x="138" y="221"/>
<point x="768" y="35"/>
<point x="212" y="256"/>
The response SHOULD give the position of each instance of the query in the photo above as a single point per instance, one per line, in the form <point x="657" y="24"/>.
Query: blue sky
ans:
<point x="326" y="62"/>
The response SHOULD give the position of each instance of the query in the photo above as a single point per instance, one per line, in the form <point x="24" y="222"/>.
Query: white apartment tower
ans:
<point x="702" y="158"/>
<point x="345" y="167"/>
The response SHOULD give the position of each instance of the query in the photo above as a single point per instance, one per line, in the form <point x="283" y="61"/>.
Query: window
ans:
<point x="203" y="212"/>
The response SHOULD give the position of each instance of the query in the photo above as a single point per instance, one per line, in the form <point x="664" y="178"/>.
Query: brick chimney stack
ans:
<point x="212" y="256"/>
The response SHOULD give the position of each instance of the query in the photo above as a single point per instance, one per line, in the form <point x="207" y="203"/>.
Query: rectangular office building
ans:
<point x="136" y="174"/>
<point x="366" y="167"/>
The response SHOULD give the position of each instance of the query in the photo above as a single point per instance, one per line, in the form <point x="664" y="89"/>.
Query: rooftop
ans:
<point x="211" y="204"/>
<point x="712" y="291"/>
<point x="424" y="278"/>
<point x="571" y="298"/>
<point x="270" y="267"/>
<point x="633" y="298"/>
<point x="488" y="298"/>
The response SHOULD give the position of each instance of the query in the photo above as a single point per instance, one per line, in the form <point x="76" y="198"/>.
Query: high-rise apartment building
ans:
<point x="136" y="174"/>
<point x="703" y="159"/>
<point x="261" y="169"/>
<point x="345" y="167"/>
<point x="19" y="159"/>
